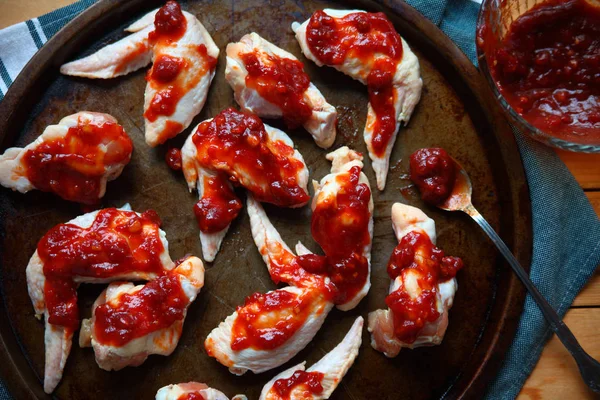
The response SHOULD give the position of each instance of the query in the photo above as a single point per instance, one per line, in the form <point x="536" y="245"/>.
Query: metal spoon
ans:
<point x="460" y="200"/>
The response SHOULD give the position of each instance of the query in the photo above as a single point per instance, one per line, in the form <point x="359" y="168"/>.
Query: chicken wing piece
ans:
<point x="73" y="159"/>
<point x="186" y="391"/>
<point x="236" y="147"/>
<point x="342" y="224"/>
<point x="422" y="290"/>
<point x="319" y="381"/>
<point x="129" y="322"/>
<point x="268" y="330"/>
<point x="97" y="247"/>
<point x="184" y="58"/>
<point x="271" y="83"/>
<point x="366" y="47"/>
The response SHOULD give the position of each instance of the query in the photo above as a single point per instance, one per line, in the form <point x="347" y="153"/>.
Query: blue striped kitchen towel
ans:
<point x="561" y="210"/>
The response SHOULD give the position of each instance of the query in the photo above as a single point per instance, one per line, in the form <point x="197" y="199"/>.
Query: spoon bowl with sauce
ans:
<point x="541" y="59"/>
<point x="443" y="182"/>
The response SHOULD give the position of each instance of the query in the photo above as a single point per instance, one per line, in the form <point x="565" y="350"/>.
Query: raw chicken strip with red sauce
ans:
<point x="154" y="312"/>
<point x="184" y="58"/>
<point x="237" y="148"/>
<point x="114" y="244"/>
<point x="193" y="391"/>
<point x="422" y="290"/>
<point x="271" y="83"/>
<point x="73" y="159"/>
<point x="366" y="47"/>
<point x="319" y="381"/>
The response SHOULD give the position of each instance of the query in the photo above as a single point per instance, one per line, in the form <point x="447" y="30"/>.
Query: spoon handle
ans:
<point x="586" y="363"/>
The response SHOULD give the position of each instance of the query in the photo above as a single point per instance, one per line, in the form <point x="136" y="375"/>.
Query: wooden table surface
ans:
<point x="556" y="375"/>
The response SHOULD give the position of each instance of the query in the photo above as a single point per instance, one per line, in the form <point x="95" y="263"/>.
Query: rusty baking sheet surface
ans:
<point x="455" y="113"/>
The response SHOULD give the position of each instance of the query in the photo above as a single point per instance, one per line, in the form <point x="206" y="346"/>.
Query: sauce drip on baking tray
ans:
<point x="371" y="38"/>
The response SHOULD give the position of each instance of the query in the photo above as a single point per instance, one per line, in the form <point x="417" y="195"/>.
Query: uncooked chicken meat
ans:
<point x="116" y="244"/>
<point x="272" y="328"/>
<point x="366" y="47"/>
<point x="184" y="58"/>
<point x="192" y="391"/>
<point x="271" y="83"/>
<point x="129" y="322"/>
<point x="422" y="290"/>
<point x="319" y="381"/>
<point x="73" y="159"/>
<point x="236" y="147"/>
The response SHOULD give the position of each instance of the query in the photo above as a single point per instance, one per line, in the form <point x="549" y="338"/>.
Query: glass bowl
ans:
<point x="497" y="16"/>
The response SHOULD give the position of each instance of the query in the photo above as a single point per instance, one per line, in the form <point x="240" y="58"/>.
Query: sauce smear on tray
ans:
<point x="371" y="38"/>
<point x="547" y="67"/>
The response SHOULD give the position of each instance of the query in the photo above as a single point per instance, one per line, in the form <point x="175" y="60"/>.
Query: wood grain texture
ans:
<point x="594" y="198"/>
<point x="14" y="11"/>
<point x="585" y="168"/>
<point x="590" y="295"/>
<point x="556" y="375"/>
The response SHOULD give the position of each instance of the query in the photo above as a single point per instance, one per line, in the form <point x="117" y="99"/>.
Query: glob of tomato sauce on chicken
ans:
<point x="117" y="242"/>
<point x="433" y="171"/>
<point x="547" y="67"/>
<point x="218" y="206"/>
<point x="191" y="396"/>
<point x="158" y="305"/>
<point x="254" y="326"/>
<point x="370" y="38"/>
<point x="308" y="382"/>
<point x="280" y="81"/>
<point x="73" y="166"/>
<point x="416" y="254"/>
<point x="237" y="144"/>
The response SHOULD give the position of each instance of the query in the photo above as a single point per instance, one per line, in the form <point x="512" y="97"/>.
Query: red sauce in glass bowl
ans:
<point x="73" y="166"/>
<point x="310" y="382"/>
<point x="280" y="81"/>
<point x="433" y="171"/>
<point x="547" y="67"/>
<point x="116" y="243"/>
<point x="416" y="253"/>
<point x="158" y="305"/>
<point x="362" y="36"/>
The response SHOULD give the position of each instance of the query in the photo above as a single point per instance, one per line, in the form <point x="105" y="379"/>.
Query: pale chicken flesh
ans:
<point x="73" y="159"/>
<point x="180" y="390"/>
<point x="252" y="338"/>
<point x="115" y="353"/>
<point x="325" y="375"/>
<point x="374" y="60"/>
<point x="247" y="61"/>
<point x="184" y="59"/>
<point x="201" y="165"/>
<point x="407" y="220"/>
<point x="41" y="272"/>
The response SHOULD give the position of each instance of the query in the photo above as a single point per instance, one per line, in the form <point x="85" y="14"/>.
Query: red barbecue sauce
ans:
<point x="266" y="321"/>
<point x="173" y="159"/>
<point x="433" y="171"/>
<point x="191" y="396"/>
<point x="72" y="166"/>
<point x="140" y="50"/>
<point x="309" y="381"/>
<point x="371" y="38"/>
<point x="237" y="145"/>
<point x="117" y="242"/>
<point x="169" y="23"/>
<point x="416" y="252"/>
<point x="547" y="67"/>
<point x="280" y="81"/>
<point x="158" y="305"/>
<point x="218" y="206"/>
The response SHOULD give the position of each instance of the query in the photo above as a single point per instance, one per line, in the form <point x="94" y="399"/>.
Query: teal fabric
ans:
<point x="566" y="248"/>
